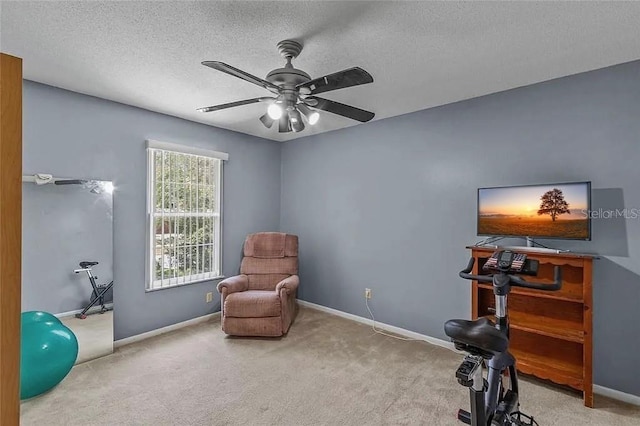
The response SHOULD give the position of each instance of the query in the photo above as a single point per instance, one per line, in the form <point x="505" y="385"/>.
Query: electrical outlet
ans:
<point x="209" y="298"/>
<point x="367" y="293"/>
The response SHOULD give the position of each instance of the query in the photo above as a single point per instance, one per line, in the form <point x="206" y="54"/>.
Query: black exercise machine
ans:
<point x="494" y="400"/>
<point x="99" y="290"/>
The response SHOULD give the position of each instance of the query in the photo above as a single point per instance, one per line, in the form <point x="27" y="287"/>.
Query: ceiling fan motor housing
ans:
<point x="288" y="76"/>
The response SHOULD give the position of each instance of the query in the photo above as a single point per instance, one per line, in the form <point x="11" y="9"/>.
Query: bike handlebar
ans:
<point x="514" y="279"/>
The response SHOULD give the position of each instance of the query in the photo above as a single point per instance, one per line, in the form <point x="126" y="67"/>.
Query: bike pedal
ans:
<point x="464" y="416"/>
<point x="521" y="419"/>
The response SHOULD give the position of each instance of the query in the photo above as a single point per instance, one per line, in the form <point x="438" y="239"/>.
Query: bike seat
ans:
<point x="85" y="265"/>
<point x="480" y="333"/>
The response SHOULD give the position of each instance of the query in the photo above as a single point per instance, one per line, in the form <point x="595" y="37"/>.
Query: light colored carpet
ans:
<point x="94" y="334"/>
<point x="326" y="371"/>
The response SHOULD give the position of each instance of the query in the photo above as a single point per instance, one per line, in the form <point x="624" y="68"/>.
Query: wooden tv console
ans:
<point x="550" y="332"/>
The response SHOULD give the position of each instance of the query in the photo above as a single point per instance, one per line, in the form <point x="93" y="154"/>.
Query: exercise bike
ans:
<point x="99" y="290"/>
<point x="494" y="400"/>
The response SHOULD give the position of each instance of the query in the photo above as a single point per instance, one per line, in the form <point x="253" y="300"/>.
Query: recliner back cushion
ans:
<point x="271" y="245"/>
<point x="269" y="257"/>
<point x="265" y="274"/>
<point x="254" y="265"/>
<point x="265" y="281"/>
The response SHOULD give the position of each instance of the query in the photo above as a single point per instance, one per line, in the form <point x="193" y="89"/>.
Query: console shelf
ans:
<point x="563" y="373"/>
<point x="534" y="293"/>
<point x="551" y="332"/>
<point x="563" y="330"/>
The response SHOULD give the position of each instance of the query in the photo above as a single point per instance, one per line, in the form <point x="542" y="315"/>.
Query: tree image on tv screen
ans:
<point x="553" y="204"/>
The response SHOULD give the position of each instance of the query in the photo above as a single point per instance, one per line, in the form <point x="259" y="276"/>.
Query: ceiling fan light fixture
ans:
<point x="275" y="111"/>
<point x="295" y="119"/>
<point x="267" y="120"/>
<point x="312" y="116"/>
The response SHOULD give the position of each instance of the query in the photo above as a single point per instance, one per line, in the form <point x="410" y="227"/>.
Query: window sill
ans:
<point x="150" y="290"/>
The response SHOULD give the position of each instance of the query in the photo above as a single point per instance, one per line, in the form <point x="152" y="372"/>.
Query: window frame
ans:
<point x="150" y="282"/>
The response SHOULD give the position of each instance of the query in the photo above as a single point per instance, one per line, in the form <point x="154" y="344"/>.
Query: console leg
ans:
<point x="588" y="397"/>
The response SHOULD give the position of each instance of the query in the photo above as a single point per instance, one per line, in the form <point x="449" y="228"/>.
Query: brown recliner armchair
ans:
<point x="261" y="301"/>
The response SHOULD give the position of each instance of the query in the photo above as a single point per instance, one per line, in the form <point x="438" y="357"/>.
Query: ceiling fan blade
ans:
<point x="340" y="109"/>
<point x="233" y="104"/>
<point x="339" y="80"/>
<point x="283" y="125"/>
<point x="228" y="69"/>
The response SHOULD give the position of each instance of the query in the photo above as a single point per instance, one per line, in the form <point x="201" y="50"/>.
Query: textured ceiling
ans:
<point x="421" y="54"/>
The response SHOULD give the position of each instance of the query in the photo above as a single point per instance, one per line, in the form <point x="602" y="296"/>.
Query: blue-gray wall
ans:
<point x="390" y="205"/>
<point x="68" y="134"/>
<point x="63" y="225"/>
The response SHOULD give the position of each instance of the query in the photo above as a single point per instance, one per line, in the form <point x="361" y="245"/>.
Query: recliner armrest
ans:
<point x="234" y="284"/>
<point x="290" y="284"/>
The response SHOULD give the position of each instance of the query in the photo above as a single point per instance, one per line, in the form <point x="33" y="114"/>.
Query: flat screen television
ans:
<point x="554" y="211"/>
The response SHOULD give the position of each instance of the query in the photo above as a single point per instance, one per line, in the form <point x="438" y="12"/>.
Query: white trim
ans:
<point x="89" y="312"/>
<point x="199" y="281"/>
<point x="597" y="389"/>
<point x="163" y="330"/>
<point x="149" y="256"/>
<point x="616" y="394"/>
<point x="151" y="283"/>
<point x="380" y="325"/>
<point x="180" y="281"/>
<point x="181" y="214"/>
<point x="183" y="149"/>
<point x="218" y="235"/>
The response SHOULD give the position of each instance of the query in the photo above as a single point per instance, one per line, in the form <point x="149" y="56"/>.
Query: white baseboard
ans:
<point x="615" y="394"/>
<point x="597" y="389"/>
<point x="386" y="327"/>
<point x="158" y="331"/>
<point x="91" y="310"/>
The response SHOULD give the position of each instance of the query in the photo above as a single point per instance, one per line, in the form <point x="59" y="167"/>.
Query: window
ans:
<point x="184" y="215"/>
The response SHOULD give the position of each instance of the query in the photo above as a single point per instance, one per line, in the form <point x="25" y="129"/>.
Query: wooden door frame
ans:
<point x="10" y="236"/>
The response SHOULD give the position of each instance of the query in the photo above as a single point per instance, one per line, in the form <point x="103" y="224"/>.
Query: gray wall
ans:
<point x="63" y="225"/>
<point x="391" y="205"/>
<point x="68" y="134"/>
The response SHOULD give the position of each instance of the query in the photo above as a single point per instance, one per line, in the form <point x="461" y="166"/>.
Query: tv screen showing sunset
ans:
<point x="546" y="211"/>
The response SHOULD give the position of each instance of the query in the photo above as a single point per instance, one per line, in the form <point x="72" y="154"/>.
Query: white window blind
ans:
<point x="184" y="215"/>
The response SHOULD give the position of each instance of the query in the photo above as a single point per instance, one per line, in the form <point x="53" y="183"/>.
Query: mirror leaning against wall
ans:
<point x="67" y="257"/>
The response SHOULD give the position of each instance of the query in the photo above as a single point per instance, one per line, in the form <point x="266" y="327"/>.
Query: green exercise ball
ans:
<point x="38" y="316"/>
<point x="48" y="351"/>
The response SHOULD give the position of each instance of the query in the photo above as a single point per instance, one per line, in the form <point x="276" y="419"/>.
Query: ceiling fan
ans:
<point x="295" y="92"/>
